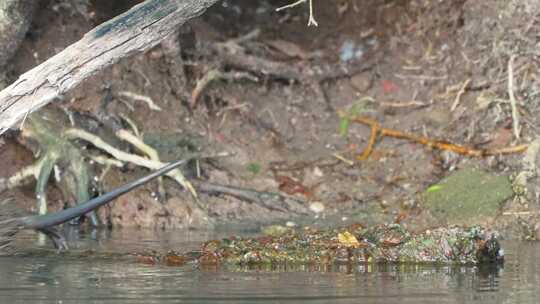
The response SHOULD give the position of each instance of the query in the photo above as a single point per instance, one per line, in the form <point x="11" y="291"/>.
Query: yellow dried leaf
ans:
<point x="347" y="239"/>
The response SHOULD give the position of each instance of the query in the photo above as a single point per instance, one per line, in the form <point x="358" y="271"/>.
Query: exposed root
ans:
<point x="216" y="74"/>
<point x="105" y="161"/>
<point x="21" y="177"/>
<point x="131" y="158"/>
<point x="131" y="124"/>
<point x="235" y="57"/>
<point x="137" y="97"/>
<point x="144" y="148"/>
<point x="57" y="155"/>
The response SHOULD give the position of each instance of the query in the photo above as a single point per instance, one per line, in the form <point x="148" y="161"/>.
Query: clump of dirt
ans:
<point x="259" y="83"/>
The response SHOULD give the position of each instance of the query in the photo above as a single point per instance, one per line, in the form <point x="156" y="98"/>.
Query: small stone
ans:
<point x="362" y="82"/>
<point x="318" y="172"/>
<point x="316" y="207"/>
<point x="291" y="224"/>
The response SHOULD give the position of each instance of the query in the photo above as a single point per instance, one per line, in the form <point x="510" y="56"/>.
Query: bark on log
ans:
<point x="14" y="21"/>
<point x="136" y="30"/>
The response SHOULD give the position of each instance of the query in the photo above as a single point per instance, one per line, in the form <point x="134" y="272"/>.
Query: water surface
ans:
<point x="49" y="278"/>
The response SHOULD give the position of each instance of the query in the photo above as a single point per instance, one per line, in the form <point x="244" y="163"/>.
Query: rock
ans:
<point x="316" y="207"/>
<point x="362" y="82"/>
<point x="467" y="196"/>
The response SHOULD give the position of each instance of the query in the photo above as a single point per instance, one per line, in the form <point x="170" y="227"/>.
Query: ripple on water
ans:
<point x="44" y="277"/>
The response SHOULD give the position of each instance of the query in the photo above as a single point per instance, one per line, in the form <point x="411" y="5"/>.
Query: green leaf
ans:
<point x="434" y="188"/>
<point x="344" y="124"/>
<point x="254" y="168"/>
<point x="358" y="107"/>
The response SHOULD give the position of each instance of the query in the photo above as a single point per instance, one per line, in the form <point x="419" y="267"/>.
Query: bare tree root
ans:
<point x="233" y="54"/>
<point x="127" y="157"/>
<point x="22" y="177"/>
<point x="144" y="148"/>
<point x="216" y="74"/>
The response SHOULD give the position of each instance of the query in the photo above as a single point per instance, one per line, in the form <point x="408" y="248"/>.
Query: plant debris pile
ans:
<point x="352" y="244"/>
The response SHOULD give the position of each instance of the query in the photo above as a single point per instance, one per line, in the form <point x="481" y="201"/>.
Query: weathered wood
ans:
<point x="136" y="30"/>
<point x="14" y="21"/>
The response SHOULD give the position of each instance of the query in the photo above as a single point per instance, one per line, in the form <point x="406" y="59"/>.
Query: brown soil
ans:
<point x="419" y="55"/>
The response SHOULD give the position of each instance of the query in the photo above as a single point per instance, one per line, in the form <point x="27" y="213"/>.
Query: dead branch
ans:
<point x="236" y="57"/>
<point x="378" y="131"/>
<point x="136" y="30"/>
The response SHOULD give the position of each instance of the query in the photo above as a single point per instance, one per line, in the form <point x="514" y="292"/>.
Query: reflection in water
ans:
<point x="46" y="278"/>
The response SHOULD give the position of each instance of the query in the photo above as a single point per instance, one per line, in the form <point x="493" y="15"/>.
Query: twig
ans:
<point x="420" y="77"/>
<point x="247" y="37"/>
<point x="412" y="103"/>
<point x="202" y="84"/>
<point x="137" y="97"/>
<point x="520" y="213"/>
<point x="343" y="159"/>
<point x="290" y="5"/>
<point x="515" y="114"/>
<point x="458" y="95"/>
<point x="377" y="130"/>
<point x="311" y="20"/>
<point x="212" y="75"/>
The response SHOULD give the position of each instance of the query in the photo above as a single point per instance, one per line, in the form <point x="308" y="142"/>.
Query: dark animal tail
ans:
<point x="48" y="220"/>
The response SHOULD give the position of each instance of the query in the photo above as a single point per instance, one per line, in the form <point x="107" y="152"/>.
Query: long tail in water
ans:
<point x="12" y="219"/>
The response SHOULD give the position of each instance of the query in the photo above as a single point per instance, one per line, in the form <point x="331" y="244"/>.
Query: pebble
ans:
<point x="316" y="207"/>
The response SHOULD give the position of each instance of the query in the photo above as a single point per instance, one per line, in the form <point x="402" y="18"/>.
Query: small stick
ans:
<point x="311" y="20"/>
<point x="290" y="5"/>
<point x="458" y="95"/>
<point x="515" y="115"/>
<point x="376" y="129"/>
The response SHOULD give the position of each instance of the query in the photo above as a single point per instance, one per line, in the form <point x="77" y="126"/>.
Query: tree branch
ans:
<point x="136" y="30"/>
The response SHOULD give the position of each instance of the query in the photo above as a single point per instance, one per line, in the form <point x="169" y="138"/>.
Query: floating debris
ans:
<point x="353" y="244"/>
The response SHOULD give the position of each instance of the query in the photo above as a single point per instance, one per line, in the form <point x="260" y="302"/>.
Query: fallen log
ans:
<point x="136" y="30"/>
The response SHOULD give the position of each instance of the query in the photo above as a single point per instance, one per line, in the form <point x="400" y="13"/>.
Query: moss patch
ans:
<point x="467" y="195"/>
